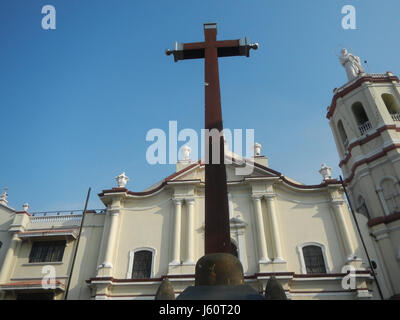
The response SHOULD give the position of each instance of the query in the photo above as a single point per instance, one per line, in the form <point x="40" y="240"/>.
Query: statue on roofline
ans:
<point x="352" y="64"/>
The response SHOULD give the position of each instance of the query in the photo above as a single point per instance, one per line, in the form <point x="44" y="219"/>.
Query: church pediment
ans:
<point x="194" y="173"/>
<point x="234" y="172"/>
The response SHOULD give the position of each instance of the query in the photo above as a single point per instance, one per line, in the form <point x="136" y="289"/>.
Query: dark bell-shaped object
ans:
<point x="165" y="291"/>
<point x="219" y="269"/>
<point x="274" y="290"/>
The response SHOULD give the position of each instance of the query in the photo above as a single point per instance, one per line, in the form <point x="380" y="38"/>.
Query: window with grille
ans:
<point x="47" y="251"/>
<point x="142" y="261"/>
<point x="314" y="259"/>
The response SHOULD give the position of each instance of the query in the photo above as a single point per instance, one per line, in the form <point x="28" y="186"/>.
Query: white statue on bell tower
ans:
<point x="352" y="64"/>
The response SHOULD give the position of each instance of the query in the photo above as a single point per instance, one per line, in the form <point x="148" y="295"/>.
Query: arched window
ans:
<point x="361" y="117"/>
<point x="314" y="259"/>
<point x="391" y="195"/>
<point x="142" y="263"/>
<point x="342" y="133"/>
<point x="392" y="106"/>
<point x="234" y="250"/>
<point x="362" y="207"/>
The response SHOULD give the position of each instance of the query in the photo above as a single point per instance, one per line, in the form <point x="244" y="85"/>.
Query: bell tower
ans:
<point x="364" y="117"/>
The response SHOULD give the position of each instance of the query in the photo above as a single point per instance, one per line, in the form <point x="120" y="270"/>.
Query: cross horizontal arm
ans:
<point x="194" y="45"/>
<point x="218" y="44"/>
<point x="227" y="43"/>
<point x="226" y="48"/>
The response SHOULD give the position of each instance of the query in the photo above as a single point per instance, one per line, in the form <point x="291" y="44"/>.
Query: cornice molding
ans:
<point x="388" y="78"/>
<point x="384" y="219"/>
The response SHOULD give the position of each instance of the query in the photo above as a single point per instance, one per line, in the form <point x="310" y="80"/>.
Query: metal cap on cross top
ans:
<point x="211" y="25"/>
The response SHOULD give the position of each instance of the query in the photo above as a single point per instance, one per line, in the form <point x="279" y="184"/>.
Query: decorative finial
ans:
<point x="254" y="45"/>
<point x="257" y="149"/>
<point x="351" y="63"/>
<point x="122" y="180"/>
<point x="3" y="196"/>
<point x="326" y="172"/>
<point x="25" y="207"/>
<point x="185" y="152"/>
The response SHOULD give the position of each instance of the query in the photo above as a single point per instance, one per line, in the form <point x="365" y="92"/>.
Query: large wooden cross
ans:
<point x="217" y="229"/>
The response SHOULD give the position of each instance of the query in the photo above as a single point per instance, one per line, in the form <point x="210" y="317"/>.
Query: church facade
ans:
<point x="304" y="235"/>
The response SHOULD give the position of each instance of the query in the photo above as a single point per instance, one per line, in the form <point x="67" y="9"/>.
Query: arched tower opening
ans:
<point x="342" y="133"/>
<point x="392" y="106"/>
<point x="362" y="120"/>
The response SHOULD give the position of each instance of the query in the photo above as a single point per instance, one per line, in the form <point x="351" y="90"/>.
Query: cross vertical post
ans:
<point x="217" y="228"/>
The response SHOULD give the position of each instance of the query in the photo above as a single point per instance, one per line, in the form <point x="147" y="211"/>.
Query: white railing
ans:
<point x="60" y="216"/>
<point x="48" y="219"/>
<point x="395" y="117"/>
<point x="365" y="127"/>
<point x="377" y="75"/>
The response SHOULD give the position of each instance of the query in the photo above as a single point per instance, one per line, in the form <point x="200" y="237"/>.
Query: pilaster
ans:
<point x="381" y="234"/>
<point x="176" y="237"/>
<point x="190" y="232"/>
<point x="106" y="268"/>
<point x="343" y="229"/>
<point x="263" y="258"/>
<point x="270" y="199"/>
<point x="11" y="254"/>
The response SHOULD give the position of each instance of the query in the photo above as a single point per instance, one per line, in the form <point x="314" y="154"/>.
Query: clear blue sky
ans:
<point x="76" y="102"/>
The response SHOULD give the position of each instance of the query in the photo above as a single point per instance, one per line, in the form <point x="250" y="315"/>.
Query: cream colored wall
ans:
<point x="87" y="256"/>
<point x="308" y="218"/>
<point x="145" y="228"/>
<point x="6" y="218"/>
